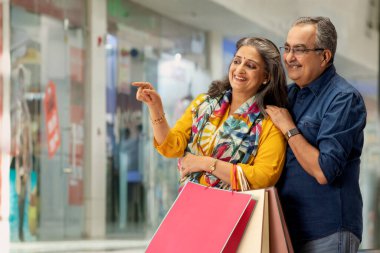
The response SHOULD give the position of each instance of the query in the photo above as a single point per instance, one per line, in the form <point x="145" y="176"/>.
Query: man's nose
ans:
<point x="290" y="56"/>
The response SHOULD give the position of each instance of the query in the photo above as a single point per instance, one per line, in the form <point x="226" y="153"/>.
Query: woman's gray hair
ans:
<point x="326" y="33"/>
<point x="274" y="92"/>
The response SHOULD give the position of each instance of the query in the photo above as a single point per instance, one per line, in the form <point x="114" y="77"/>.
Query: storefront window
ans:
<point x="47" y="119"/>
<point x="370" y="160"/>
<point x="144" y="46"/>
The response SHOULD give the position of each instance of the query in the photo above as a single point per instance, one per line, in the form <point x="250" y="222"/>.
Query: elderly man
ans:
<point x="319" y="187"/>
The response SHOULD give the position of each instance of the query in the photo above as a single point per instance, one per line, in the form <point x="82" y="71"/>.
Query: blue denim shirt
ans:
<point x="331" y="116"/>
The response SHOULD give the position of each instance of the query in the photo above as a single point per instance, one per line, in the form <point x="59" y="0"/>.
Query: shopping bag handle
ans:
<point x="239" y="181"/>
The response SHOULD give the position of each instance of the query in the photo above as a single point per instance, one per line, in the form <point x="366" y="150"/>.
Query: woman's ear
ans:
<point x="266" y="78"/>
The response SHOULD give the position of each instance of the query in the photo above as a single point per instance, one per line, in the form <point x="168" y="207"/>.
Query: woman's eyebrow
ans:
<point x="251" y="60"/>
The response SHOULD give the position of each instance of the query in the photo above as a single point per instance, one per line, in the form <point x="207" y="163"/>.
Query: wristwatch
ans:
<point x="291" y="132"/>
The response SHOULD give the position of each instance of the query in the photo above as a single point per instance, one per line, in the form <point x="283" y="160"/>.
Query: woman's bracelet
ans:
<point x="158" y="120"/>
<point x="212" y="167"/>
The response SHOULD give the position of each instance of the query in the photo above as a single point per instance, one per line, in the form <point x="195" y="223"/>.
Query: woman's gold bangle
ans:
<point x="158" y="120"/>
<point x="212" y="167"/>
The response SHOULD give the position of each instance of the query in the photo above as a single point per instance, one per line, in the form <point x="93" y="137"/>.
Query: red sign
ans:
<point x="51" y="119"/>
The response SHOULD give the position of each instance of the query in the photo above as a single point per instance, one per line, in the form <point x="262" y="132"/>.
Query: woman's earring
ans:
<point x="265" y="82"/>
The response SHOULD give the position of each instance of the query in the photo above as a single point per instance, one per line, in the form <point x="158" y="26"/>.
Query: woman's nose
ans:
<point x="239" y="68"/>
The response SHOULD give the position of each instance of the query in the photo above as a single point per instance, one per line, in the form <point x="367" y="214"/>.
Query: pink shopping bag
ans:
<point x="203" y="219"/>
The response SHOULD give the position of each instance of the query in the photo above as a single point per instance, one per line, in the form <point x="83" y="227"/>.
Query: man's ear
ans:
<point x="326" y="55"/>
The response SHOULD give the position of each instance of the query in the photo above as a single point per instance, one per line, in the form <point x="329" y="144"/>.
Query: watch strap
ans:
<point x="292" y="132"/>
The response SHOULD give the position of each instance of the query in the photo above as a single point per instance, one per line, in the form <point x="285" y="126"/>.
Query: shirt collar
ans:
<point x="316" y="85"/>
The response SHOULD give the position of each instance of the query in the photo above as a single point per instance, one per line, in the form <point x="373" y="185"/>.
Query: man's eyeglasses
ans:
<point x="298" y="51"/>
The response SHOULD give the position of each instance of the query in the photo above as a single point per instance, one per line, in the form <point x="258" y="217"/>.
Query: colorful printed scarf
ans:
<point x="235" y="141"/>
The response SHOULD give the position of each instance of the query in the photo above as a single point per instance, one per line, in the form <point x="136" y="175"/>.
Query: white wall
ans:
<point x="349" y="16"/>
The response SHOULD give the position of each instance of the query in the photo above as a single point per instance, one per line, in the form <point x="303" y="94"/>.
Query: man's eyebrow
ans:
<point x="300" y="45"/>
<point x="297" y="45"/>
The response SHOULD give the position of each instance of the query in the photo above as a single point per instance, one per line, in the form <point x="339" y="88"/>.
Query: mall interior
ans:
<point x="92" y="173"/>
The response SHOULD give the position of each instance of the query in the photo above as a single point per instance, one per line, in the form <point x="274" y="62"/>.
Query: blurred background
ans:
<point x="77" y="160"/>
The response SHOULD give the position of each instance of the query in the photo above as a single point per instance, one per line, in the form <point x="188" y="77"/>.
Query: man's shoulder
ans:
<point x="339" y="89"/>
<point x="339" y="86"/>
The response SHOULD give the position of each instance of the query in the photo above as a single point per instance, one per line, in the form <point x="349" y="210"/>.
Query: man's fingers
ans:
<point x="270" y="111"/>
<point x="272" y="108"/>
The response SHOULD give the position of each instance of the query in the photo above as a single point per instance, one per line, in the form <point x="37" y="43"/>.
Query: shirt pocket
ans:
<point x="309" y="129"/>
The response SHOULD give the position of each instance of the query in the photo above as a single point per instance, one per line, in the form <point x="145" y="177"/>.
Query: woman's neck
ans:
<point x="237" y="100"/>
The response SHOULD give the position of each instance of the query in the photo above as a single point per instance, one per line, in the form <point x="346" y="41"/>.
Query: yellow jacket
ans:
<point x="262" y="170"/>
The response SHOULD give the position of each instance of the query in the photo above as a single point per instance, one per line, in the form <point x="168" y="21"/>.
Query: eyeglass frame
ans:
<point x="301" y="51"/>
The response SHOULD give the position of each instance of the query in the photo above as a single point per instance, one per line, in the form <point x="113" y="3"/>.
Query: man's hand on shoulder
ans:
<point x="281" y="118"/>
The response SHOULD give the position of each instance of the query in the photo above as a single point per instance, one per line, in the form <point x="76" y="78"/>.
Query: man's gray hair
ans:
<point x="326" y="33"/>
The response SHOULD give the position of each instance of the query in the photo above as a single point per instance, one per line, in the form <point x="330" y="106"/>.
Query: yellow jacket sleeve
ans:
<point x="265" y="168"/>
<point x="176" y="141"/>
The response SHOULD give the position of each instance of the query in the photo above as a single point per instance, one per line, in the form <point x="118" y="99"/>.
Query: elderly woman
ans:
<point x="227" y="131"/>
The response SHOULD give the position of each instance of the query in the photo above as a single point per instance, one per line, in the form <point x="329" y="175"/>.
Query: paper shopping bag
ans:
<point x="266" y="230"/>
<point x="278" y="236"/>
<point x="256" y="235"/>
<point x="203" y="219"/>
